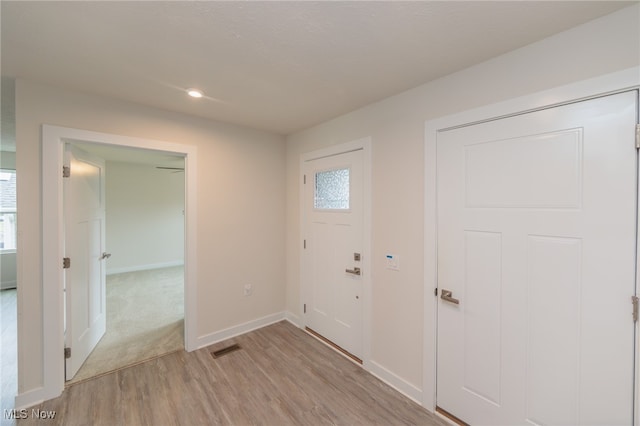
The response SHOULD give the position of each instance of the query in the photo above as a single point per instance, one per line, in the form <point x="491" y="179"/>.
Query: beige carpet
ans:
<point x="145" y="319"/>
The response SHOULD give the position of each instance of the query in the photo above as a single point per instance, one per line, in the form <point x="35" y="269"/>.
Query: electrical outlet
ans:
<point x="248" y="289"/>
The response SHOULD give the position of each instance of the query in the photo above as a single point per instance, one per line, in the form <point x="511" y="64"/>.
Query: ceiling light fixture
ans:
<point x="194" y="93"/>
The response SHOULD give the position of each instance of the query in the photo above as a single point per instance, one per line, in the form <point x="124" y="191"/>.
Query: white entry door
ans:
<point x="536" y="261"/>
<point x="332" y="262"/>
<point x="85" y="298"/>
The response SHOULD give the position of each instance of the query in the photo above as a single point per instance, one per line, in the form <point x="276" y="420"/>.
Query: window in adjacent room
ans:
<point x="8" y="226"/>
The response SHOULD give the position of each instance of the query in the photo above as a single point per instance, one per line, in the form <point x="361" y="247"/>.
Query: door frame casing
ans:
<point x="608" y="84"/>
<point x="53" y="141"/>
<point x="364" y="145"/>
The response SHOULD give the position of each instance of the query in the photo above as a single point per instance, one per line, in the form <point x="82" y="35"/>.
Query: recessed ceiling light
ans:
<point x="194" y="93"/>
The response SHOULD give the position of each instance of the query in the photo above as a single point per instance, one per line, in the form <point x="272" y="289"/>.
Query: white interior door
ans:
<point x="85" y="297"/>
<point x="333" y="267"/>
<point x="537" y="241"/>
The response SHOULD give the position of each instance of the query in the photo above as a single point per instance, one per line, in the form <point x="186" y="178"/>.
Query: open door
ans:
<point x="85" y="295"/>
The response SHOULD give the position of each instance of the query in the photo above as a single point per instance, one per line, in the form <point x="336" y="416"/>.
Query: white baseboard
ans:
<point x="396" y="382"/>
<point x="31" y="398"/>
<point x="239" y="329"/>
<point x="5" y="285"/>
<point x="136" y="268"/>
<point x="293" y="319"/>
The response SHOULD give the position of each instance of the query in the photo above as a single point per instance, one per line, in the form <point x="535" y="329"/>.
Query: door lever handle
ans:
<point x="105" y="255"/>
<point x="446" y="295"/>
<point x="354" y="271"/>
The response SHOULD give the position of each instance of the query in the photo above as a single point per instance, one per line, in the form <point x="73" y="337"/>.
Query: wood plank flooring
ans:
<point x="8" y="351"/>
<point x="280" y="376"/>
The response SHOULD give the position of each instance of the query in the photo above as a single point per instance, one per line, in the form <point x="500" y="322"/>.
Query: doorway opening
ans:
<point x="54" y="140"/>
<point x="8" y="286"/>
<point x="8" y="247"/>
<point x="144" y="264"/>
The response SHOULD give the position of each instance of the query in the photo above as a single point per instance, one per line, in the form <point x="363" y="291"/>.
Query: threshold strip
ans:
<point x="333" y="345"/>
<point x="451" y="416"/>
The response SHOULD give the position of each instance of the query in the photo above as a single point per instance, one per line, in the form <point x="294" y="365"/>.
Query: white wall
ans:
<point x="7" y="160"/>
<point x="7" y="114"/>
<point x="396" y="126"/>
<point x="8" y="273"/>
<point x="241" y="199"/>
<point x="144" y="217"/>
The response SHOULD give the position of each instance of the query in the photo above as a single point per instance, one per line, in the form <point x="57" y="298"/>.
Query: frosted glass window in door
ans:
<point x="332" y="190"/>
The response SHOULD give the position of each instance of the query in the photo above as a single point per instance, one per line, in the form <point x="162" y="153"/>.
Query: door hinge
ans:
<point x="67" y="353"/>
<point x="435" y="291"/>
<point x="304" y="179"/>
<point x="66" y="171"/>
<point x="634" y="301"/>
<point x="66" y="262"/>
<point x="304" y="308"/>
<point x="637" y="136"/>
<point x="304" y="244"/>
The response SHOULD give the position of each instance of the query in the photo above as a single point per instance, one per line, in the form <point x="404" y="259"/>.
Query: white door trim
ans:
<point x="363" y="144"/>
<point x="628" y="79"/>
<point x="53" y="139"/>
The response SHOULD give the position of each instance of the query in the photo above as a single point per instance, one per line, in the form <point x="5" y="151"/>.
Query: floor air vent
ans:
<point x="224" y="351"/>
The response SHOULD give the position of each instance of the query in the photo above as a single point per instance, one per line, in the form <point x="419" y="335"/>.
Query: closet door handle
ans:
<point x="105" y="255"/>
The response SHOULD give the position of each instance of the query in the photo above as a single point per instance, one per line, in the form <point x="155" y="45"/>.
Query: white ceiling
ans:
<point x="277" y="66"/>
<point x="132" y="155"/>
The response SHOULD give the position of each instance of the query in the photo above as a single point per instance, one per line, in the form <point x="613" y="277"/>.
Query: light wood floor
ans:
<point x="280" y="376"/>
<point x="8" y="350"/>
